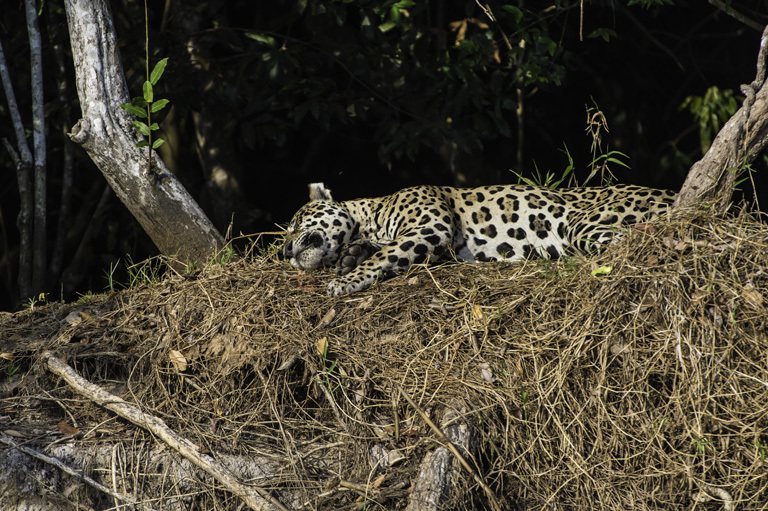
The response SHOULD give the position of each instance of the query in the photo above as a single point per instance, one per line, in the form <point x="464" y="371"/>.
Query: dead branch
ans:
<point x="447" y="442"/>
<point x="738" y="143"/>
<point x="254" y="497"/>
<point x="69" y="470"/>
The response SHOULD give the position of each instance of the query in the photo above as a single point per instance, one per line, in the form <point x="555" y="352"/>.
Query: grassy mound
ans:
<point x="637" y="379"/>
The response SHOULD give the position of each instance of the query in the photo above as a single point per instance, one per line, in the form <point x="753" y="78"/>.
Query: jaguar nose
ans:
<point x="287" y="251"/>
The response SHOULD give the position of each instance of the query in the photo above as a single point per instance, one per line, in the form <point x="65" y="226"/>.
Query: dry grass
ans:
<point x="644" y="388"/>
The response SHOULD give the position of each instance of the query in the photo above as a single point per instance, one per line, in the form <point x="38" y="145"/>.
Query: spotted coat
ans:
<point x="490" y="223"/>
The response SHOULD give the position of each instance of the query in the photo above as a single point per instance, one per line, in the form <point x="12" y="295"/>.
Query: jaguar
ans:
<point x="375" y="238"/>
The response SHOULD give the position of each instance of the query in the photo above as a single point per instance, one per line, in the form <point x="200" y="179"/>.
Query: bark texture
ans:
<point x="738" y="143"/>
<point x="440" y="470"/>
<point x="159" y="202"/>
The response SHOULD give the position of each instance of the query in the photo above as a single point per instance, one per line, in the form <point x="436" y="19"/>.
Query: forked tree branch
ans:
<point x="738" y="143"/>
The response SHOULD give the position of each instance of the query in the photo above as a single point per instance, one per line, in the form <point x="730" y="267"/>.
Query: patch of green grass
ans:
<point x="549" y="179"/>
<point x="149" y="271"/>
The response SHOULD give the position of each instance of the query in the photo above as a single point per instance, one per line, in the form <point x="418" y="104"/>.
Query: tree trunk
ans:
<point x="22" y="158"/>
<point x="737" y="144"/>
<point x="159" y="202"/>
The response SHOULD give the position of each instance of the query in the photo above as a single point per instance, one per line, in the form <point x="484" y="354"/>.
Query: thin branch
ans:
<point x="71" y="471"/>
<point x="512" y="63"/>
<point x="13" y="109"/>
<point x="730" y="11"/>
<point x="654" y="40"/>
<point x="252" y="496"/>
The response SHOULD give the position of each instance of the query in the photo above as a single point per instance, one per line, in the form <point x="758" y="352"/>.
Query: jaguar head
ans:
<point x="318" y="231"/>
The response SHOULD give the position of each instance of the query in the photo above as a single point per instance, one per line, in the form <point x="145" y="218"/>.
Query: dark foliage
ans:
<point x="373" y="95"/>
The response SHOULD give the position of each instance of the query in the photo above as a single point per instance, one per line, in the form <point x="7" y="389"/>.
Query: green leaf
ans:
<point x="148" y="94"/>
<point x="387" y="26"/>
<point x="617" y="162"/>
<point x="256" y="36"/>
<point x="154" y="127"/>
<point x="394" y="13"/>
<point x="141" y="144"/>
<point x="135" y="110"/>
<point x="514" y="11"/>
<point x="604" y="33"/>
<point x="603" y="270"/>
<point x="157" y="143"/>
<point x="158" y="105"/>
<point x="143" y="128"/>
<point x="157" y="72"/>
<point x="139" y="102"/>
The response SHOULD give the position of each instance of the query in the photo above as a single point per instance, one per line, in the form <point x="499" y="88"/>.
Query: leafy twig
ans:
<point x="145" y="105"/>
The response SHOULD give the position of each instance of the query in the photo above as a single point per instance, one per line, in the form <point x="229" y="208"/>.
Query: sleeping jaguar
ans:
<point x="369" y="239"/>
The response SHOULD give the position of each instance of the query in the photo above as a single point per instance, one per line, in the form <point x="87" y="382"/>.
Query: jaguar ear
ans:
<point x="318" y="191"/>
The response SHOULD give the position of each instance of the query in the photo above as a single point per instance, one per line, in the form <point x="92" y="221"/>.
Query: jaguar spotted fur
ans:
<point x="369" y="239"/>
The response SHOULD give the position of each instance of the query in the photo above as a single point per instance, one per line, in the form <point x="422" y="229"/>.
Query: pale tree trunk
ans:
<point x="168" y="214"/>
<point x="738" y="143"/>
<point x="22" y="158"/>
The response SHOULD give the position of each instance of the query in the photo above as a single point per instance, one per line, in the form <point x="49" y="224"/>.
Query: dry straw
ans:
<point x="637" y="379"/>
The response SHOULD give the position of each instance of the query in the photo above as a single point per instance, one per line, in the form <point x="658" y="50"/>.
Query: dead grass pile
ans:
<point x="637" y="379"/>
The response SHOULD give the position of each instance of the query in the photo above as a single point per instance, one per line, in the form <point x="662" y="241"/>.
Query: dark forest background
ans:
<point x="371" y="96"/>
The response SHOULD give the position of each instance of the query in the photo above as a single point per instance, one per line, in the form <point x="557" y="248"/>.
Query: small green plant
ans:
<point x="747" y="171"/>
<point x="34" y="300"/>
<point x="761" y="450"/>
<point x="109" y="275"/>
<point x="225" y="255"/>
<point x="11" y="370"/>
<point x="149" y="271"/>
<point x="87" y="297"/>
<point x="548" y="180"/>
<point x="326" y="366"/>
<point x="560" y="268"/>
<point x="701" y="444"/>
<point x="601" y="161"/>
<point x="145" y="105"/>
<point x="710" y="112"/>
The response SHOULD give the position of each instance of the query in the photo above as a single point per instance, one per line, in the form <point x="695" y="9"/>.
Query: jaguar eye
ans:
<point x="315" y="239"/>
